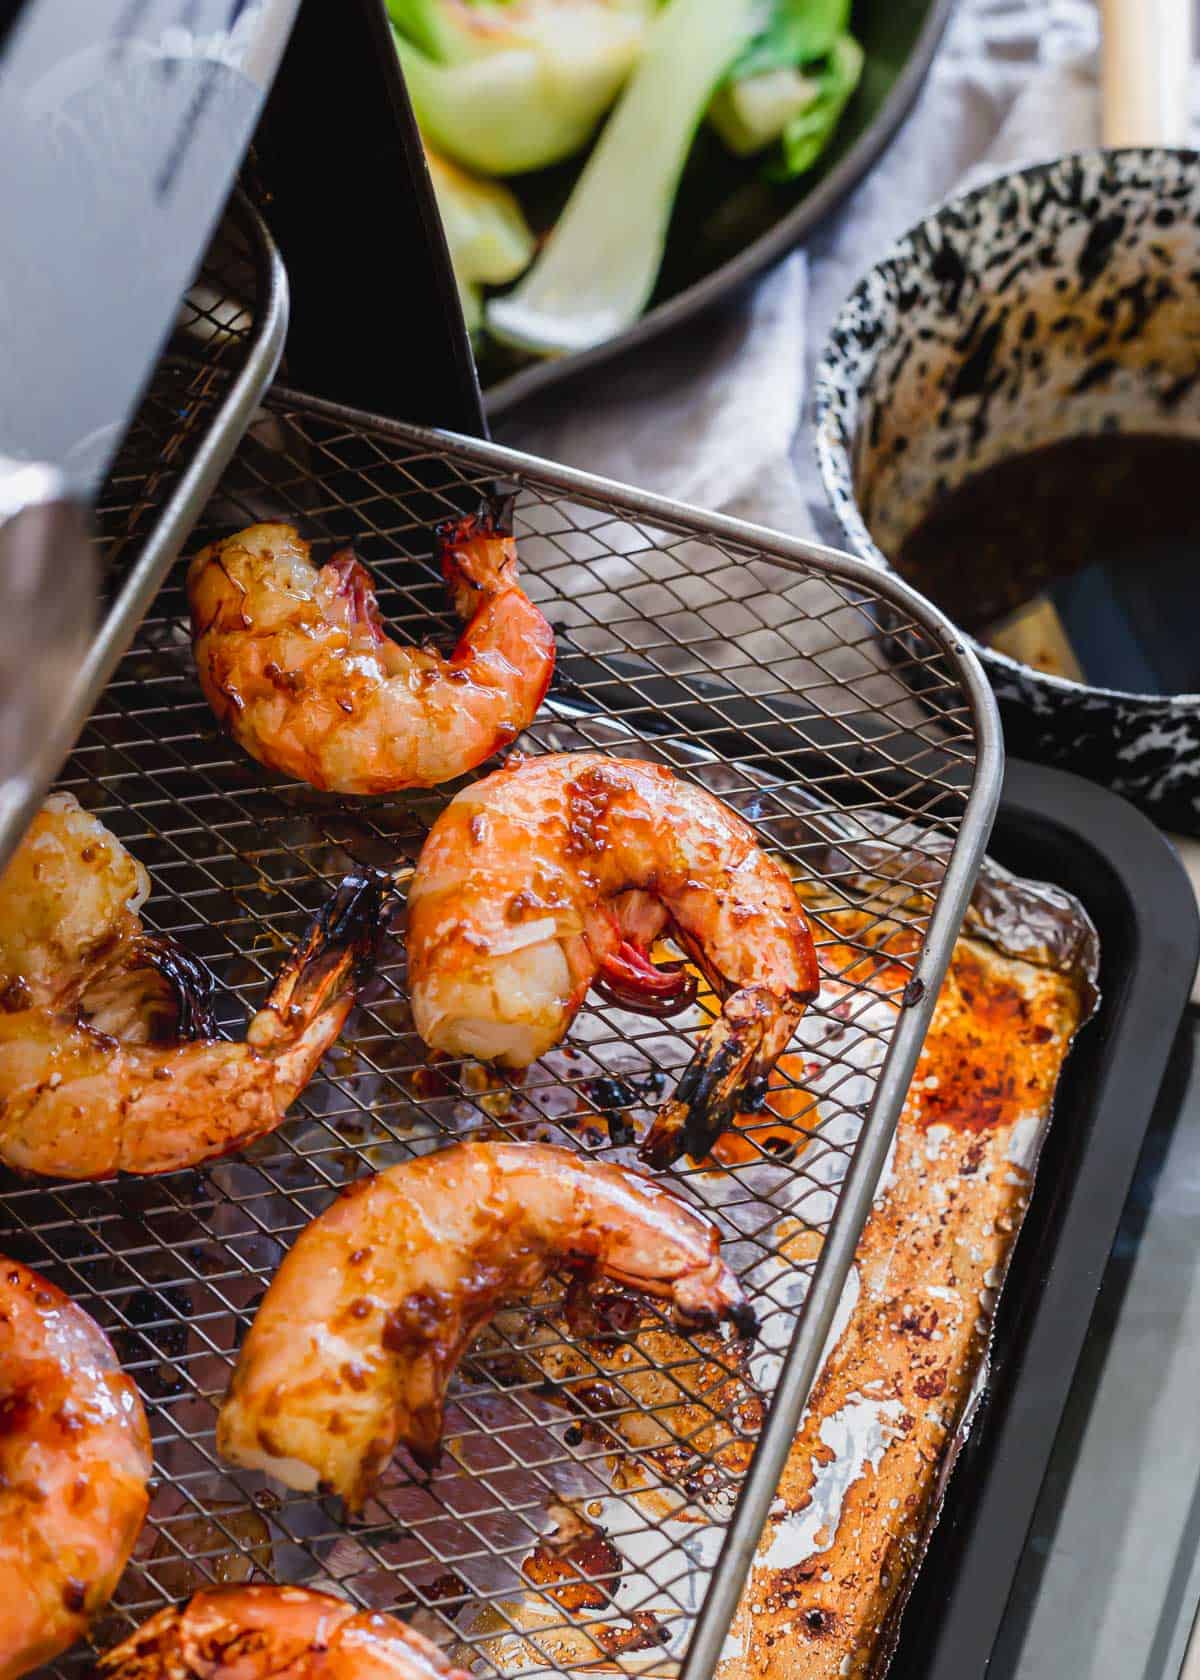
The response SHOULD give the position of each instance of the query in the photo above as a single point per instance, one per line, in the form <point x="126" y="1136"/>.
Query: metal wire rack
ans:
<point x="223" y="353"/>
<point x="592" y="1483"/>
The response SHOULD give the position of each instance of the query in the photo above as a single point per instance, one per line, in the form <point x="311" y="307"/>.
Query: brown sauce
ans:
<point x="1107" y="525"/>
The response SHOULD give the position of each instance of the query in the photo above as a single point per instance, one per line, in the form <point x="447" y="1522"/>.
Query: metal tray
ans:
<point x="744" y="660"/>
<point x="222" y="356"/>
<point x="1056" y="827"/>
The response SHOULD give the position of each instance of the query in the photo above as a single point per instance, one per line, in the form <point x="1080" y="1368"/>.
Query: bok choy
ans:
<point x="486" y="231"/>
<point x="790" y="84"/>
<point x="595" y="273"/>
<point x="506" y="86"/>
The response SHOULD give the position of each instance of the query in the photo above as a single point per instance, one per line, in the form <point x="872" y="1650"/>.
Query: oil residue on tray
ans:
<point x="1108" y="524"/>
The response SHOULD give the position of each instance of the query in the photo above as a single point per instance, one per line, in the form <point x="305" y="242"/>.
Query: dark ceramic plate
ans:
<point x="729" y="224"/>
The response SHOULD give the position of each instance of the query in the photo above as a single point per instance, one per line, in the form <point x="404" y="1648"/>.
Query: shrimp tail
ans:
<point x="630" y="980"/>
<point x="727" y="1073"/>
<point x="353" y="586"/>
<point x="190" y="987"/>
<point x="478" y="554"/>
<point x="332" y="960"/>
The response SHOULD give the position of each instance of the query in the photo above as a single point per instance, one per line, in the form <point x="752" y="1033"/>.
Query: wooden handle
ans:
<point x="1035" y="635"/>
<point x="1147" y="65"/>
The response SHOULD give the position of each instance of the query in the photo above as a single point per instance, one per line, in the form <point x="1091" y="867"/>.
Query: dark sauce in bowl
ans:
<point x="1108" y="526"/>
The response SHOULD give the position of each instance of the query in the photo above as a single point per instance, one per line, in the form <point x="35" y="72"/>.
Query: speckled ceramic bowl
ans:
<point x="1060" y="300"/>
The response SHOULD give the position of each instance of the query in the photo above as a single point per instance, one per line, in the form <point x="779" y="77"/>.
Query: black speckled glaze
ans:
<point x="1058" y="300"/>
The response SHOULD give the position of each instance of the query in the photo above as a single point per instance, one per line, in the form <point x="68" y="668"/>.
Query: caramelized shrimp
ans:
<point x="296" y="665"/>
<point x="557" y="872"/>
<point x="74" y="1464"/>
<point x="69" y="898"/>
<point x="71" y="937"/>
<point x="95" y="1077"/>
<point x="355" y="1341"/>
<point x="274" y="1633"/>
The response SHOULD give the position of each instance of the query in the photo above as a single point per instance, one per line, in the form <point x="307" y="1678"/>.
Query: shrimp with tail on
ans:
<point x="296" y="664"/>
<point x="558" y="873"/>
<point x="99" y="1072"/>
<point x="354" y="1344"/>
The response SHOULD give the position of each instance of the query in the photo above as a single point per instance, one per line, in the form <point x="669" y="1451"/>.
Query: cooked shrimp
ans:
<point x="274" y="1633"/>
<point x="71" y="936"/>
<point x="296" y="664"/>
<point x="68" y="898"/>
<point x="77" y="1101"/>
<point x="74" y="1464"/>
<point x="355" y="1340"/>
<point x="556" y="872"/>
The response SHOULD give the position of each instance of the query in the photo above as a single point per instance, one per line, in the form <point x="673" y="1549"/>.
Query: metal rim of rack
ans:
<point x="211" y="454"/>
<point x="802" y="1362"/>
<point x="352" y="489"/>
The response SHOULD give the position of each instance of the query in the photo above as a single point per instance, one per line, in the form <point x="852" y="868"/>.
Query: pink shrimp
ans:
<point x="556" y="872"/>
<point x="296" y="664"/>
<point x="274" y="1633"/>
<point x="356" y="1339"/>
<point x="107" y="1063"/>
<point x="74" y="1466"/>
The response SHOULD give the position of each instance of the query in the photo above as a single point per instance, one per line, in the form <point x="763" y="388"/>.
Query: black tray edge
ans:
<point x="1120" y="1061"/>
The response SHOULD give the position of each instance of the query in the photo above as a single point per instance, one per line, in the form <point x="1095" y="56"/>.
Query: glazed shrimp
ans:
<point x="79" y="1101"/>
<point x="355" y="1341"/>
<point x="274" y="1633"/>
<point x="69" y="899"/>
<point x="296" y="665"/>
<point x="74" y="1464"/>
<point x="71" y="937"/>
<point x="556" y="872"/>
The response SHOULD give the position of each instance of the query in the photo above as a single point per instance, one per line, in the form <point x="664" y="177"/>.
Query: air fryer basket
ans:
<point x="222" y="355"/>
<point x="598" y="1499"/>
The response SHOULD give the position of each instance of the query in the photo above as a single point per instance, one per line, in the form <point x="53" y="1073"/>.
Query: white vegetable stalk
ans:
<point x="598" y="268"/>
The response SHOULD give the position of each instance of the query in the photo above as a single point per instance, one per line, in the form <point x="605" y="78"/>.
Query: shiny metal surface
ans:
<point x="229" y="337"/>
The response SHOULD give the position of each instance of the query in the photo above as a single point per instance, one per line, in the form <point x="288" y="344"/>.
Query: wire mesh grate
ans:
<point x="591" y="1471"/>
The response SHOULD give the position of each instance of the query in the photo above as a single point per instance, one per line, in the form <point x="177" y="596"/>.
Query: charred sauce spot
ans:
<point x="580" y="1571"/>
<point x="17" y="1412"/>
<point x="444" y="1587"/>
<point x="617" y="1316"/>
<point x="972" y="1158"/>
<point x="795" y="1575"/>
<point x="644" y="1632"/>
<point x="15" y="995"/>
<point x="820" y="1623"/>
<point x="915" y="1322"/>
<point x="291" y="682"/>
<point x="74" y="1595"/>
<point x="986" y="1063"/>
<point x="931" y="1385"/>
